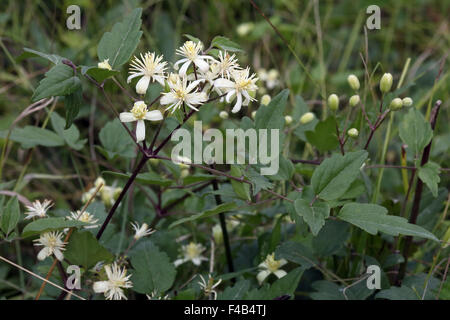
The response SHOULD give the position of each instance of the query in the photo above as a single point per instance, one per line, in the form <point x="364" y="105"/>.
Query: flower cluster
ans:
<point x="196" y="76"/>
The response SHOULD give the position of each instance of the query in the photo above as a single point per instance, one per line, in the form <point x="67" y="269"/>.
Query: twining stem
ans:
<point x="122" y="194"/>
<point x="223" y="226"/>
<point x="418" y="194"/>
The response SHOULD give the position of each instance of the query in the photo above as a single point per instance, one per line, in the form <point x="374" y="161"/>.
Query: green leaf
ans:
<point x="373" y="218"/>
<point x="119" y="44"/>
<point x="98" y="74"/>
<point x="10" y="216"/>
<point x="397" y="293"/>
<point x="30" y="137"/>
<point x="58" y="81"/>
<point x="297" y="253"/>
<point x="271" y="116"/>
<point x="429" y="174"/>
<point x="324" y="135"/>
<point x="116" y="141"/>
<point x="285" y="170"/>
<point x="415" y="131"/>
<point x="83" y="249"/>
<point x="71" y="136"/>
<point x="241" y="189"/>
<point x="236" y="292"/>
<point x="225" y="44"/>
<point x="335" y="175"/>
<point x="72" y="104"/>
<point x="331" y="238"/>
<point x="30" y="53"/>
<point x="288" y="284"/>
<point x="144" y="178"/>
<point x="314" y="215"/>
<point x="153" y="270"/>
<point x="49" y="224"/>
<point x="224" y="207"/>
<point x="258" y="181"/>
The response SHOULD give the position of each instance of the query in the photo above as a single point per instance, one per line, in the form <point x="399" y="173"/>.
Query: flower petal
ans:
<point x="154" y="115"/>
<point x="142" y="85"/>
<point x="168" y="98"/>
<point x="101" y="286"/>
<point x="201" y="64"/>
<point x="238" y="104"/>
<point x="184" y="68"/>
<point x="223" y="83"/>
<point x="134" y="75"/>
<point x="280" y="273"/>
<point x="127" y="117"/>
<point x="262" y="275"/>
<point x="140" y="131"/>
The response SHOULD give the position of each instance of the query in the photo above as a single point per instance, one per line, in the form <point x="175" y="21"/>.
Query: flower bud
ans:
<point x="288" y="120"/>
<point x="253" y="114"/>
<point x="223" y="114"/>
<point x="265" y="100"/>
<point x="217" y="234"/>
<point x="396" y="104"/>
<point x="104" y="65"/>
<point x="99" y="181"/>
<point x="307" y="118"/>
<point x="244" y="28"/>
<point x="184" y="173"/>
<point x="354" y="100"/>
<point x="333" y="102"/>
<point x="407" y="102"/>
<point x="386" y="82"/>
<point x="353" y="81"/>
<point x="353" y="133"/>
<point x="154" y="161"/>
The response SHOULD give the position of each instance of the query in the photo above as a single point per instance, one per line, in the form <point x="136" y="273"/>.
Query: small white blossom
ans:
<point x="117" y="279"/>
<point x="270" y="265"/>
<point x="209" y="286"/>
<point x="157" y="296"/>
<point x="84" y="217"/>
<point x="140" y="113"/>
<point x="52" y="243"/>
<point x="227" y="64"/>
<point x="183" y="93"/>
<point x="150" y="67"/>
<point x="191" y="53"/>
<point x="272" y="79"/>
<point x="141" y="231"/>
<point x="104" y="65"/>
<point x="38" y="209"/>
<point x="241" y="86"/>
<point x="192" y="252"/>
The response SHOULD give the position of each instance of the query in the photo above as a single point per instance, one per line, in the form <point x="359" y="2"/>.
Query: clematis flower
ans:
<point x="140" y="113"/>
<point x="270" y="265"/>
<point x="38" y="209"/>
<point x="183" y="93"/>
<point x="209" y="286"/>
<point x="191" y="53"/>
<point x="52" y="243"/>
<point x="192" y="252"/>
<point x="150" y="67"/>
<point x="227" y="64"/>
<point x="141" y="231"/>
<point x="117" y="279"/>
<point x="241" y="86"/>
<point x="84" y="217"/>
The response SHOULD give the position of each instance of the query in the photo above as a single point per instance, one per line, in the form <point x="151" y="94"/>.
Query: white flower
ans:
<point x="226" y="64"/>
<point x="149" y="67"/>
<point x="84" y="217"/>
<point x="192" y="252"/>
<point x="38" y="209"/>
<point x="191" y="53"/>
<point x="117" y="279"/>
<point x="241" y="85"/>
<point x="104" y="65"/>
<point x="270" y="265"/>
<point x="209" y="286"/>
<point x="141" y="231"/>
<point x="157" y="296"/>
<point x="272" y="79"/>
<point x="181" y="93"/>
<point x="140" y="113"/>
<point x="52" y="243"/>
